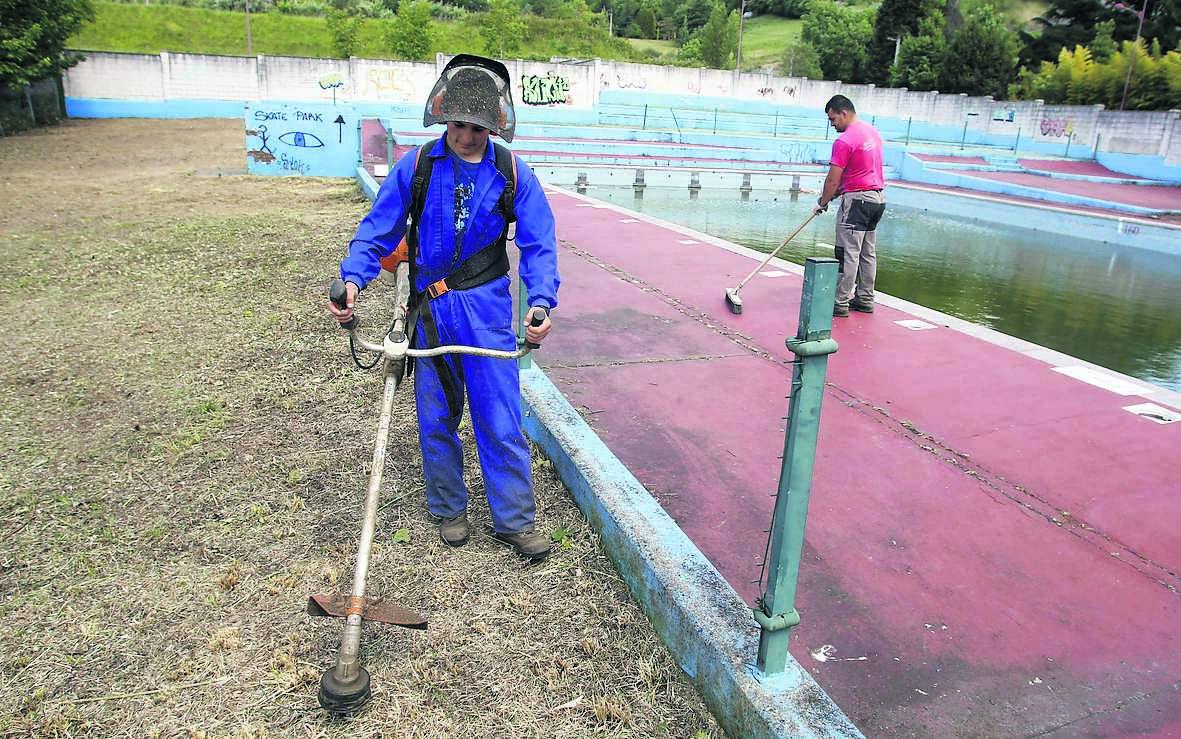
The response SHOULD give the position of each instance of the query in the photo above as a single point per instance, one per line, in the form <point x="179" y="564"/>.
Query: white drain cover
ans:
<point x="915" y="324"/>
<point x="1154" y="412"/>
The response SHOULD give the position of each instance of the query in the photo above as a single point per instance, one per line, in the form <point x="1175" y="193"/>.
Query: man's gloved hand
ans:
<point x="345" y="314"/>
<point x="537" y="334"/>
<point x="820" y="208"/>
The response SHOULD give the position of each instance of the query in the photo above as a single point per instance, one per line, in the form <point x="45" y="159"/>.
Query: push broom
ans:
<point x="733" y="299"/>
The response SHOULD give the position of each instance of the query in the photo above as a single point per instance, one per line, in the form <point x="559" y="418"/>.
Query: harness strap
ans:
<point x="482" y="267"/>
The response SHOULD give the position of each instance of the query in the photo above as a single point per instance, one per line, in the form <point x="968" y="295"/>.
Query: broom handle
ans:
<point x="771" y="256"/>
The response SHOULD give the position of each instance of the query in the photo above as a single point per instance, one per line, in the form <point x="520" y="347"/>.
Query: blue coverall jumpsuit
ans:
<point x="480" y="316"/>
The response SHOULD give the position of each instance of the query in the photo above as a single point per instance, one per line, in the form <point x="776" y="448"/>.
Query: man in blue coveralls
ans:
<point x="460" y="286"/>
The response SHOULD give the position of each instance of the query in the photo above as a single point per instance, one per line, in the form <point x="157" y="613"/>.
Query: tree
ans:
<point x="1103" y="44"/>
<point x="692" y="15"/>
<point x="1065" y="24"/>
<point x="840" y="36"/>
<point x="646" y="22"/>
<point x="1078" y="78"/>
<point x="800" y="60"/>
<point x="782" y="8"/>
<point x="897" y="19"/>
<point x="719" y="37"/>
<point x="33" y="37"/>
<point x="921" y="57"/>
<point x="411" y="31"/>
<point x="342" y="25"/>
<point x="502" y="28"/>
<point x="982" y="55"/>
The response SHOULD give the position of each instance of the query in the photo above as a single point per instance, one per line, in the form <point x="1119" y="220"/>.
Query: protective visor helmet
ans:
<point x="475" y="90"/>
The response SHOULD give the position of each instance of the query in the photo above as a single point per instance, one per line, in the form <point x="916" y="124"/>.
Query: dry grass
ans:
<point x="182" y="460"/>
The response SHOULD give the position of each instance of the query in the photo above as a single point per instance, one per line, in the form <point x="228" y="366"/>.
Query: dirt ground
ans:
<point x="184" y="446"/>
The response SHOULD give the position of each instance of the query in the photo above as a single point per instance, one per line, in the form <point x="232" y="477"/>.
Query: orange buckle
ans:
<point x="435" y="289"/>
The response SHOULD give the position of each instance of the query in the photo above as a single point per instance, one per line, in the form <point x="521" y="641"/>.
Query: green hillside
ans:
<point x="151" y="29"/>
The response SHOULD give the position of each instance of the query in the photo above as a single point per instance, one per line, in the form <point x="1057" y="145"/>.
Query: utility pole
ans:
<point x="1135" y="47"/>
<point x="741" y="18"/>
<point x="249" y="40"/>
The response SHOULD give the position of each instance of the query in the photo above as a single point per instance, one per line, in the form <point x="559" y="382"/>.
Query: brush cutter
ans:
<point x="733" y="299"/>
<point x="344" y="688"/>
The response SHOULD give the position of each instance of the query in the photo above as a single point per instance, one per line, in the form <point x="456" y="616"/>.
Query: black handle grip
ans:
<point x="338" y="294"/>
<point x="537" y="320"/>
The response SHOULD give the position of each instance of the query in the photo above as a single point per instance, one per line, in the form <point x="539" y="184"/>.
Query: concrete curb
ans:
<point x="700" y="618"/>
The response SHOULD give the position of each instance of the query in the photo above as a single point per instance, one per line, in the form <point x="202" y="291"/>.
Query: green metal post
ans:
<point x="813" y="342"/>
<point x="526" y="361"/>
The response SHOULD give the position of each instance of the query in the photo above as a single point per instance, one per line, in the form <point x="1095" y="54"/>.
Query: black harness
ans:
<point x="482" y="267"/>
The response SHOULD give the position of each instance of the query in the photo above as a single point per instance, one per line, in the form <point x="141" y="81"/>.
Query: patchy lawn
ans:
<point x="183" y="460"/>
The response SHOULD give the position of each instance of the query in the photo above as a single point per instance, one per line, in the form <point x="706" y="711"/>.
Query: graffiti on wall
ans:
<point x="298" y="139"/>
<point x="332" y="82"/>
<point x="796" y="153"/>
<point x="551" y="89"/>
<point x="766" y="91"/>
<point x="1057" y="127"/>
<point x="1003" y="116"/>
<point x="387" y="83"/>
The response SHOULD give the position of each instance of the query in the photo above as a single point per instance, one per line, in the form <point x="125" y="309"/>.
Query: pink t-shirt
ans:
<point x="859" y="152"/>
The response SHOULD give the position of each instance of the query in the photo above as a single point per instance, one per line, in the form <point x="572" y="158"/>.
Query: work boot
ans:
<point x="529" y="544"/>
<point x="840" y="310"/>
<point x="862" y="307"/>
<point x="454" y="531"/>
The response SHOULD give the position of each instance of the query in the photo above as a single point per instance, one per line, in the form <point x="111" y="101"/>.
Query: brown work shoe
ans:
<point x="857" y="305"/>
<point x="529" y="544"/>
<point x="454" y="531"/>
<point x="840" y="311"/>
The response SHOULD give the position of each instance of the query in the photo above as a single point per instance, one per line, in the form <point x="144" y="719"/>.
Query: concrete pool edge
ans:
<point x="700" y="618"/>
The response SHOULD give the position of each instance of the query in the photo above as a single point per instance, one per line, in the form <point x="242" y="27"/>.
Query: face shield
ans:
<point x="473" y="90"/>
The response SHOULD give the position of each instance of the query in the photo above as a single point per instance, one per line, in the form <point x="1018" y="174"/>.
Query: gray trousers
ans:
<point x="856" y="251"/>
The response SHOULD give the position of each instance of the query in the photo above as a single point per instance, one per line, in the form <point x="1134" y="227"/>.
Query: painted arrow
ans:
<point x="339" y="128"/>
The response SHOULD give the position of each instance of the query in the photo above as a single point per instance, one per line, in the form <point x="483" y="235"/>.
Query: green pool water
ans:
<point x="1115" y="306"/>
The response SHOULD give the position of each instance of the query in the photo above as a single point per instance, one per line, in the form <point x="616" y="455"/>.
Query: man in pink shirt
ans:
<point x="854" y="173"/>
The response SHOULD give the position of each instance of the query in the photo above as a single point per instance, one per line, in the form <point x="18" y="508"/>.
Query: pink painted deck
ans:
<point x="1162" y="197"/>
<point x="1175" y="219"/>
<point x="993" y="548"/>
<point x="1065" y="166"/>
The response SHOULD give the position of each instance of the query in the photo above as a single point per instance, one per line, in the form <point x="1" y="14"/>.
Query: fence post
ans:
<point x="1069" y="138"/>
<point x="1017" y="143"/>
<point x="775" y="129"/>
<point x="908" y="122"/>
<point x="1098" y="138"/>
<point x="29" y="100"/>
<point x="964" y="136"/>
<point x="813" y="342"/>
<point x="715" y="121"/>
<point x="645" y="125"/>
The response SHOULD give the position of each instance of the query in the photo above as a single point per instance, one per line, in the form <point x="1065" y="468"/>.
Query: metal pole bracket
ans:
<point x="812" y="347"/>
<point x="778" y="622"/>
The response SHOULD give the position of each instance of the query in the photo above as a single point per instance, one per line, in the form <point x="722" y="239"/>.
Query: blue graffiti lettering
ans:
<point x="292" y="164"/>
<point x="270" y="115"/>
<point x="301" y="116"/>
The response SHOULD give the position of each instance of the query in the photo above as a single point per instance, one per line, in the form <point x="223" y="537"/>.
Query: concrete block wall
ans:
<point x="204" y="76"/>
<point x="556" y="89"/>
<point x="123" y="76"/>
<point x="1136" y="132"/>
